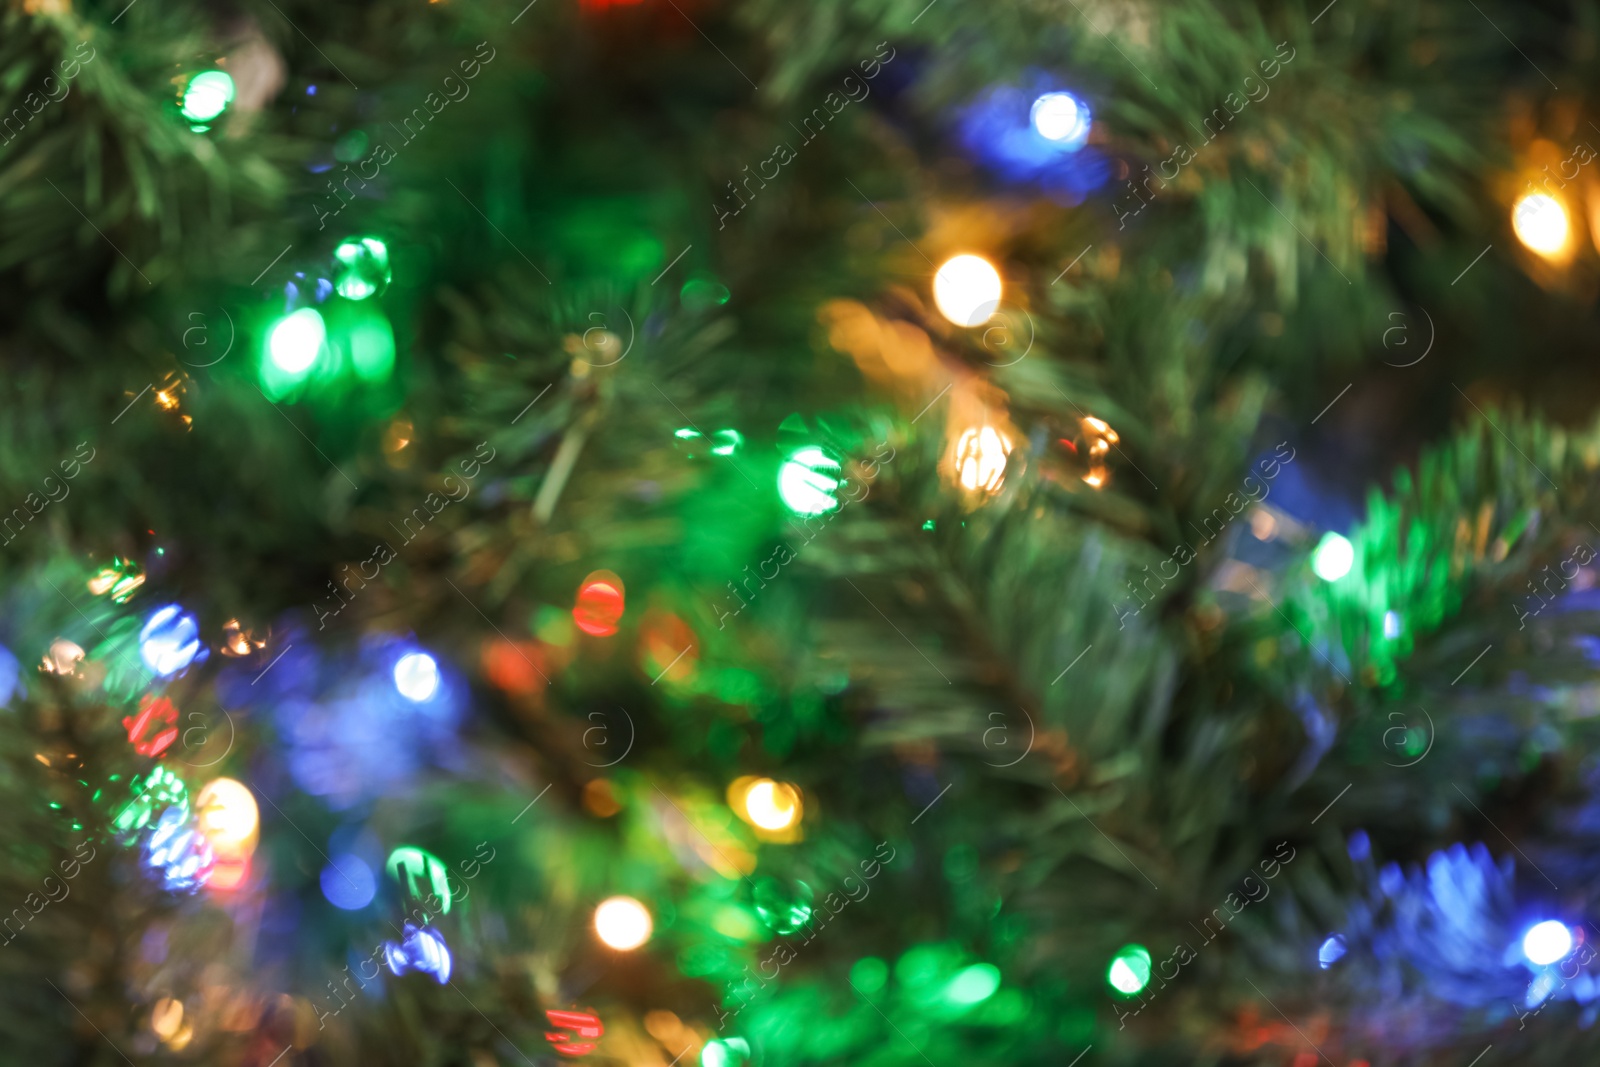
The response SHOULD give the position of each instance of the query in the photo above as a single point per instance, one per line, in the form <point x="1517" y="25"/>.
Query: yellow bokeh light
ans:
<point x="980" y="457"/>
<point x="622" y="923"/>
<point x="1540" y="223"/>
<point x="772" y="805"/>
<point x="967" y="290"/>
<point x="228" y="818"/>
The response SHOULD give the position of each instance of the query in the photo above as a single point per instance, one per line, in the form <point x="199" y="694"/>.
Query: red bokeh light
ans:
<point x="573" y="1025"/>
<point x="152" y="715"/>
<point x="601" y="600"/>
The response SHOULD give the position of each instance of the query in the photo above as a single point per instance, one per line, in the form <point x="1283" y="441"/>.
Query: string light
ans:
<point x="170" y="640"/>
<point x="1130" y="969"/>
<point x="967" y="289"/>
<point x="227" y="815"/>
<point x="576" y="1033"/>
<point x="1101" y="437"/>
<point x="416" y="676"/>
<point x="771" y="805"/>
<point x="1540" y="222"/>
<point x="297" y="340"/>
<point x="602" y="599"/>
<point x="1333" y="557"/>
<point x="622" y="923"/>
<point x="364" y="267"/>
<point x="1547" y="942"/>
<point x="1062" y="118"/>
<point x="980" y="459"/>
<point x="207" y="95"/>
<point x="415" y="869"/>
<point x="808" y="480"/>
<point x="420" y="949"/>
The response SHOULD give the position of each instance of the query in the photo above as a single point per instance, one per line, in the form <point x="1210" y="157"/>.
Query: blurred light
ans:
<point x="772" y="805"/>
<point x="166" y="1018"/>
<point x="1333" y="557"/>
<point x="365" y="267"/>
<point x="157" y="712"/>
<point x="63" y="657"/>
<point x="413" y="868"/>
<point x="421" y="950"/>
<point x="974" y="984"/>
<point x="228" y="817"/>
<point x="416" y="675"/>
<point x="296" y="341"/>
<point x="177" y="852"/>
<point x="1540" y="223"/>
<point x="1331" y="952"/>
<point x="602" y="599"/>
<point x="728" y="442"/>
<point x="1391" y="624"/>
<point x="169" y="641"/>
<point x="1130" y="969"/>
<point x="1062" y="118"/>
<point x="229" y="874"/>
<point x="622" y="923"/>
<point x="807" y="481"/>
<point x="1547" y="943"/>
<point x="348" y="882"/>
<point x="570" y="1027"/>
<point x="121" y="578"/>
<point x="981" y="454"/>
<point x="869" y="974"/>
<point x="207" y="95"/>
<point x="967" y="290"/>
<point x="725" y="1052"/>
<point x="600" y="798"/>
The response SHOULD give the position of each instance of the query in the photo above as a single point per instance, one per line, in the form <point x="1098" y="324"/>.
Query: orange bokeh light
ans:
<point x="601" y="601"/>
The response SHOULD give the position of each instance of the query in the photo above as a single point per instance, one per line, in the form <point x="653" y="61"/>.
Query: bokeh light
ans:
<point x="422" y="950"/>
<point x="1540" y="222"/>
<point x="1547" y="942"/>
<point x="421" y="875"/>
<point x="363" y="267"/>
<point x="601" y="602"/>
<point x="772" y="805"/>
<point x="1130" y="969"/>
<point x="1331" y="951"/>
<point x="622" y="923"/>
<point x="1333" y="557"/>
<point x="808" y="480"/>
<point x="967" y="290"/>
<point x="981" y="453"/>
<point x="207" y="95"/>
<point x="297" y="340"/>
<point x="725" y="1052"/>
<point x="227" y="815"/>
<point x="416" y="676"/>
<point x="1062" y="118"/>
<point x="348" y="882"/>
<point x="170" y="640"/>
<point x="973" y="985"/>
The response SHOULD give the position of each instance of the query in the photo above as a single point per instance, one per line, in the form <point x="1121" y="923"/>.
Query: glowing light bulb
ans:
<point x="207" y="95"/>
<point x="772" y="805"/>
<point x="1540" y="222"/>
<point x="1331" y="951"/>
<point x="980" y="456"/>
<point x="1130" y="969"/>
<point x="725" y="1052"/>
<point x="967" y="290"/>
<point x="602" y="598"/>
<point x="228" y="817"/>
<point x="297" y="340"/>
<point x="417" y="676"/>
<point x="1333" y="557"/>
<point x="1061" y="117"/>
<point x="808" y="480"/>
<point x="974" y="984"/>
<point x="622" y="923"/>
<point x="1547" y="943"/>
<point x="170" y="640"/>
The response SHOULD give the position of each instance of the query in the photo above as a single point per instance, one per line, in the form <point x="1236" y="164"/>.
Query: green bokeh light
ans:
<point x="1130" y="969"/>
<point x="207" y="95"/>
<point x="1333" y="557"/>
<point x="973" y="985"/>
<point x="297" y="340"/>
<point x="364" y="267"/>
<point x="725" y="1052"/>
<point x="869" y="974"/>
<point x="807" y="481"/>
<point x="419" y="874"/>
<point x="727" y="442"/>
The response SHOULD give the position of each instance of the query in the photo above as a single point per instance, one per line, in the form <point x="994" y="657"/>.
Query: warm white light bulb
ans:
<point x="772" y="805"/>
<point x="1540" y="222"/>
<point x="967" y="290"/>
<point x="622" y="923"/>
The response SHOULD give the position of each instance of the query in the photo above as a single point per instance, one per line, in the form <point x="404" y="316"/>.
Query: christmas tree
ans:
<point x="884" y="532"/>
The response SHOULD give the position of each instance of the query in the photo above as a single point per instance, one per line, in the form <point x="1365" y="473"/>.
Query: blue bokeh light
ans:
<point x="1331" y="952"/>
<point x="348" y="882"/>
<point x="416" y="675"/>
<point x="421" y="950"/>
<point x="1547" y="942"/>
<point x="1001" y="128"/>
<point x="170" y="640"/>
